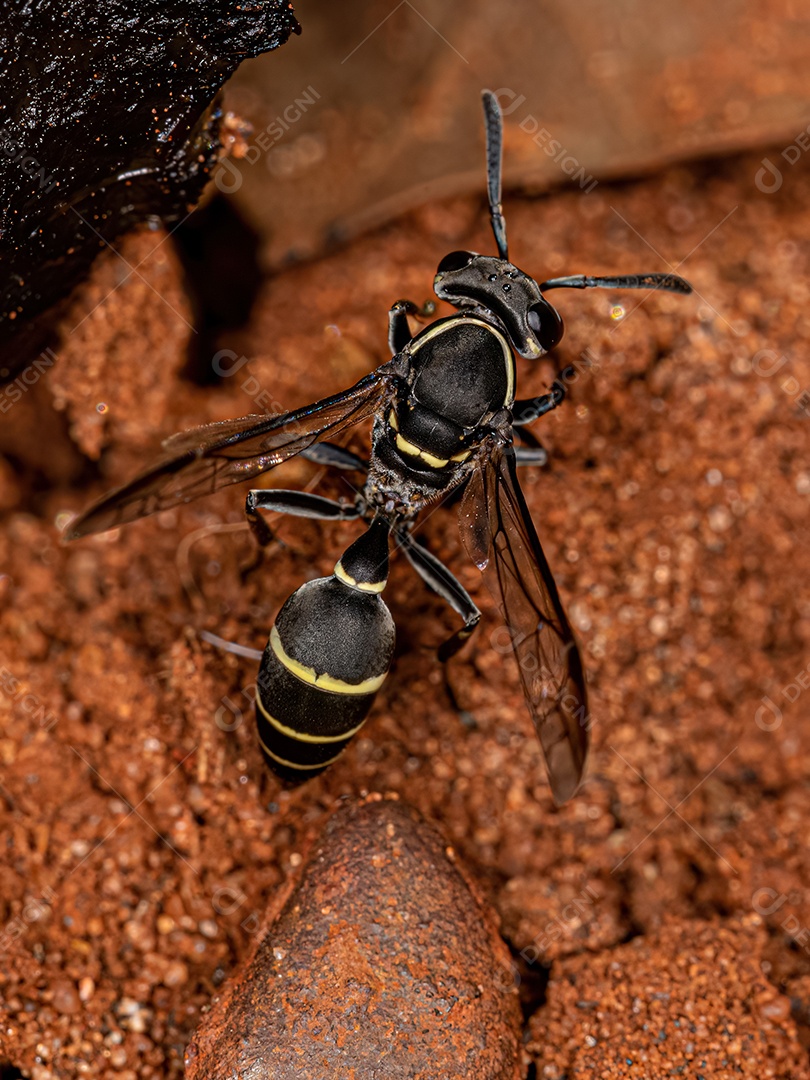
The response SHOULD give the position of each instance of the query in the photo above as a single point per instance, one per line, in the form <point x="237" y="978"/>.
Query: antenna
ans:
<point x="664" y="282"/>
<point x="493" y="126"/>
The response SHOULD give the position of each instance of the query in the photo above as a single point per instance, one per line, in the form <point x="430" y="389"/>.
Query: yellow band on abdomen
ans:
<point x="294" y="764"/>
<point x="322" y="682"/>
<point x="300" y="736"/>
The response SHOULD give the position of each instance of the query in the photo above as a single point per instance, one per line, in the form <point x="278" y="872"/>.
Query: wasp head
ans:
<point x="493" y="286"/>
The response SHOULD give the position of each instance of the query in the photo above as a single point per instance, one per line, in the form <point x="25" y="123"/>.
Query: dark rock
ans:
<point x="107" y="117"/>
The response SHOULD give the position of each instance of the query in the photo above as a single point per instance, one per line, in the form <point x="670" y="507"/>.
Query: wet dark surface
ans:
<point x="107" y="117"/>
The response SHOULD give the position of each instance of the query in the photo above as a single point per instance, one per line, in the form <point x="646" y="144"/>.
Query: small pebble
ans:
<point x="65" y="997"/>
<point x="176" y="974"/>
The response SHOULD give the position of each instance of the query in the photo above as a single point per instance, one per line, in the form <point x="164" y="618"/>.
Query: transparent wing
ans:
<point x="205" y="459"/>
<point x="498" y="533"/>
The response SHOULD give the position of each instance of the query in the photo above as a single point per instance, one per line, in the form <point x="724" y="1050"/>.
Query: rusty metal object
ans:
<point x="382" y="962"/>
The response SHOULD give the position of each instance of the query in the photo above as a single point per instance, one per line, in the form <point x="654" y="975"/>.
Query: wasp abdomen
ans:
<point x="328" y="654"/>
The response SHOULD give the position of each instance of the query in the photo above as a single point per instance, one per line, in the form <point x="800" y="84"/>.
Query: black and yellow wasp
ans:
<point x="444" y="412"/>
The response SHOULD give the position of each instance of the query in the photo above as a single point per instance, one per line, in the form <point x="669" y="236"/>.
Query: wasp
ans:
<point x="445" y="414"/>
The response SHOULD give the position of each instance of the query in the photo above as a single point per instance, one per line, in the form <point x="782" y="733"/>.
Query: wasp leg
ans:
<point x="297" y="503"/>
<point x="526" y="410"/>
<point x="531" y="455"/>
<point x="230" y="646"/>
<point x="399" y="332"/>
<point x="337" y="457"/>
<point x="437" y="577"/>
<point x="532" y="452"/>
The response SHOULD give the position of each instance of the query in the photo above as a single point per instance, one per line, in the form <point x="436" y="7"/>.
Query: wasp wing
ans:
<point x="498" y="532"/>
<point x="205" y="459"/>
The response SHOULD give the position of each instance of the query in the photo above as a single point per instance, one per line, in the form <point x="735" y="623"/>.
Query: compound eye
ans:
<point x="456" y="260"/>
<point x="546" y="324"/>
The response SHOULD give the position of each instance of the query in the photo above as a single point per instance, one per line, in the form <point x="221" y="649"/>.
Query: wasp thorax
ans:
<point x="464" y="371"/>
